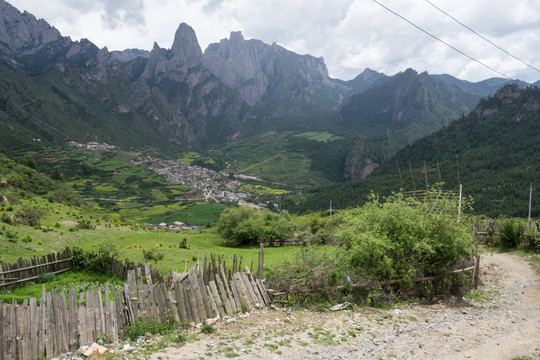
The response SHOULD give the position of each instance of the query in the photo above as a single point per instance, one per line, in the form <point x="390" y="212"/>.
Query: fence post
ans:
<point x="260" y="273"/>
<point x="476" y="272"/>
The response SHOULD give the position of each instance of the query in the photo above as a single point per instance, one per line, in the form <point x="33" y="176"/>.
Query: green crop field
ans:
<point x="322" y="136"/>
<point x="143" y="195"/>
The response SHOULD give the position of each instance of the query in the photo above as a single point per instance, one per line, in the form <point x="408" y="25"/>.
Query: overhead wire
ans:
<point x="444" y="42"/>
<point x="481" y="36"/>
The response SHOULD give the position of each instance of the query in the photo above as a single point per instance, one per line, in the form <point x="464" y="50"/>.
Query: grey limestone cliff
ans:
<point x="267" y="73"/>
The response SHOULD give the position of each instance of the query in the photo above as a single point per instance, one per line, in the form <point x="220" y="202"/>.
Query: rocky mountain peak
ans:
<point x="257" y="70"/>
<point x="22" y="31"/>
<point x="32" y="46"/>
<point x="186" y="46"/>
<point x="184" y="54"/>
<point x="236" y="36"/>
<point x="508" y="93"/>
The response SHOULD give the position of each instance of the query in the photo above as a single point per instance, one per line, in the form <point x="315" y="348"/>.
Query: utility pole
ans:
<point x="530" y="203"/>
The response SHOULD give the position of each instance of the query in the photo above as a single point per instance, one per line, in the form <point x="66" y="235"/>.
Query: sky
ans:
<point x="350" y="35"/>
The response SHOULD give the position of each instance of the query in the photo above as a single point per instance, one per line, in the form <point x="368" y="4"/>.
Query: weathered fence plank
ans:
<point x="217" y="300"/>
<point x="180" y="301"/>
<point x="206" y="302"/>
<point x="225" y="296"/>
<point x="60" y="324"/>
<point x="72" y="320"/>
<point x="196" y="294"/>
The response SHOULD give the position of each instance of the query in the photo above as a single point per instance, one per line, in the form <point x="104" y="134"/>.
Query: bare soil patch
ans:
<point x="500" y="320"/>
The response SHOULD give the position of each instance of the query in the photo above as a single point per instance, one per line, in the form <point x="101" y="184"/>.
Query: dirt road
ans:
<point x="499" y="321"/>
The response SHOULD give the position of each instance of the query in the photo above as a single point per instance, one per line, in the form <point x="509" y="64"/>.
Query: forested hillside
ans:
<point x="494" y="152"/>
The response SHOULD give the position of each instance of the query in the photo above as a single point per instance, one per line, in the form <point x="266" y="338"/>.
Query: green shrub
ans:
<point x="207" y="329"/>
<point x="532" y="239"/>
<point x="247" y="226"/>
<point x="396" y="240"/>
<point x="45" y="278"/>
<point x="99" y="262"/>
<point x="510" y="234"/>
<point x="85" y="224"/>
<point x="12" y="236"/>
<point x="15" y="180"/>
<point x="30" y="216"/>
<point x="404" y="238"/>
<point x="183" y="244"/>
<point x="6" y="218"/>
<point x="315" y="270"/>
<point x="153" y="254"/>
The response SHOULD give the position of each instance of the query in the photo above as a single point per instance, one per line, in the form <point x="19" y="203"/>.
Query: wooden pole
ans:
<point x="425" y="174"/>
<point x="476" y="272"/>
<point x="412" y="178"/>
<point x="261" y="263"/>
<point x="457" y="167"/>
<point x="459" y="205"/>
<point x="530" y="203"/>
<point x="400" y="177"/>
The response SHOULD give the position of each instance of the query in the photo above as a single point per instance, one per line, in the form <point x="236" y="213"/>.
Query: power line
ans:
<point x="444" y="42"/>
<point x="482" y="37"/>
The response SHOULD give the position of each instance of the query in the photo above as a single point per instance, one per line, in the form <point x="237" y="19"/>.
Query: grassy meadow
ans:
<point x="58" y="229"/>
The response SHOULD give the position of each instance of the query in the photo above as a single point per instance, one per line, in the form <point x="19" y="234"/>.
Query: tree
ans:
<point x="246" y="226"/>
<point x="404" y="238"/>
<point x="56" y="174"/>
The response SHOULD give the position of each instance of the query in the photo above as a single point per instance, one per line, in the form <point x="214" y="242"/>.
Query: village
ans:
<point x="215" y="186"/>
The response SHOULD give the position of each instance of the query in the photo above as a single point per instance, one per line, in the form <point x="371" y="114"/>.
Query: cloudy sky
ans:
<point x="349" y="34"/>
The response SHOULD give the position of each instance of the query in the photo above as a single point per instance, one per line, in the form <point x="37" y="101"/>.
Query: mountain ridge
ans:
<point x="493" y="152"/>
<point x="183" y="98"/>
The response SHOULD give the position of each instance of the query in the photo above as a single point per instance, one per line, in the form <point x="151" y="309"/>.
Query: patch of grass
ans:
<point x="323" y="337"/>
<point x="152" y="325"/>
<point x="271" y="347"/>
<point x="481" y="295"/>
<point x="106" y="188"/>
<point x="322" y="136"/>
<point x="284" y="342"/>
<point x="78" y="280"/>
<point x="207" y="329"/>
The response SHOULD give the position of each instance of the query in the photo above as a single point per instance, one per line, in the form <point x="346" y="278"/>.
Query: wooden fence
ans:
<point x="58" y="262"/>
<point x="483" y="229"/>
<point x="28" y="270"/>
<point x="474" y="266"/>
<point x="60" y="323"/>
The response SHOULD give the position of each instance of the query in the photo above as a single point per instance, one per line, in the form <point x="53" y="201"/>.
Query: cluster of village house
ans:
<point x="177" y="226"/>
<point x="206" y="180"/>
<point x="93" y="146"/>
